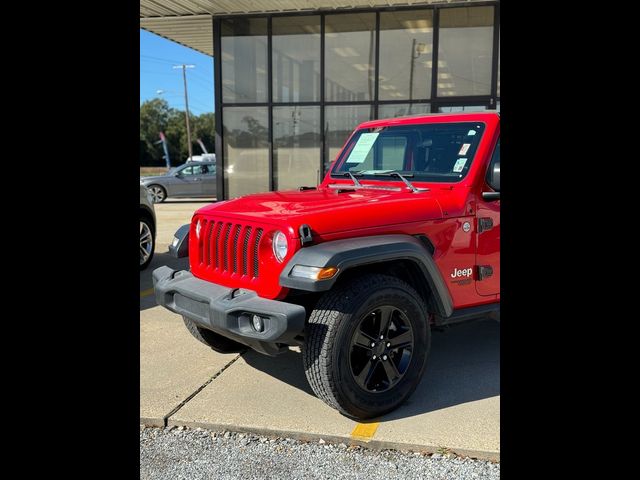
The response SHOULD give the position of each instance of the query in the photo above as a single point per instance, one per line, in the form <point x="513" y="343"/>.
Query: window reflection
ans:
<point x="296" y="142"/>
<point x="340" y="121"/>
<point x="406" y="48"/>
<point x="350" y="57"/>
<point x="246" y="150"/>
<point x="462" y="108"/>
<point x="244" y="60"/>
<point x="464" y="53"/>
<point x="402" y="109"/>
<point x="296" y="59"/>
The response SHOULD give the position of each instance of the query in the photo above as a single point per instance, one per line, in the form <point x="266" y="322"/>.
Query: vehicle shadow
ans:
<point x="463" y="366"/>
<point x="146" y="280"/>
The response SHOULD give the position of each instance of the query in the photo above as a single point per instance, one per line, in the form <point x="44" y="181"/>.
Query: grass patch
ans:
<point x="150" y="171"/>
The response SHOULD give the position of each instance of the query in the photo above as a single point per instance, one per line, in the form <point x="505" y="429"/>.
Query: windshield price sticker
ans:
<point x="362" y="148"/>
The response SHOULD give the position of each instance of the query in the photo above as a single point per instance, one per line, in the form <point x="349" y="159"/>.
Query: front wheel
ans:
<point x="366" y="345"/>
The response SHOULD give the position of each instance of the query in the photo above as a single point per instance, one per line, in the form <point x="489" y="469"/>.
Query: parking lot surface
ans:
<point x="183" y="383"/>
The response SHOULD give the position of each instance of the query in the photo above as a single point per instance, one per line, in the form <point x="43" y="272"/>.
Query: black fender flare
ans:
<point x="354" y="252"/>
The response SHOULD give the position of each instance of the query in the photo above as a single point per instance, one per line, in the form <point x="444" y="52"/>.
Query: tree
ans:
<point x="156" y="116"/>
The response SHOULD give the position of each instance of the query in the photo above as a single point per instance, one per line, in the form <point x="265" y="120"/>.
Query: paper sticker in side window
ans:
<point x="464" y="148"/>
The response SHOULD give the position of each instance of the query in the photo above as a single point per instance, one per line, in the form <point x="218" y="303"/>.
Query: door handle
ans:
<point x="484" y="224"/>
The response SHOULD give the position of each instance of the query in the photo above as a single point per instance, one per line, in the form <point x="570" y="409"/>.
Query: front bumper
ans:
<point x="228" y="311"/>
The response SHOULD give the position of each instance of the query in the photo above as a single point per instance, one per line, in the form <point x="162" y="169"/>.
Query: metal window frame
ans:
<point x="435" y="102"/>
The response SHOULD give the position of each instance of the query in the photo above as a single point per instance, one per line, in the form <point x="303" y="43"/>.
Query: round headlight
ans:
<point x="280" y="246"/>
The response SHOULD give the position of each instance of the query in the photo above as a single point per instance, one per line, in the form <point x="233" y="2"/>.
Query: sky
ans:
<point x="157" y="57"/>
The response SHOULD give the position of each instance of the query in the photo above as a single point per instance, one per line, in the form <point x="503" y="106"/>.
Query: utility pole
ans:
<point x="186" y="104"/>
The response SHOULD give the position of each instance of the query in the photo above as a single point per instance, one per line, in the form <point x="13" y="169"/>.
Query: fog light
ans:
<point x="258" y="323"/>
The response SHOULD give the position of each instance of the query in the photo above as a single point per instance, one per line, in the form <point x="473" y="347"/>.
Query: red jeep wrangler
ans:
<point x="402" y="234"/>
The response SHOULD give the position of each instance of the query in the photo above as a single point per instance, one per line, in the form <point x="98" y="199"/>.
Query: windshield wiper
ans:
<point x="358" y="185"/>
<point x="355" y="180"/>
<point x="413" y="188"/>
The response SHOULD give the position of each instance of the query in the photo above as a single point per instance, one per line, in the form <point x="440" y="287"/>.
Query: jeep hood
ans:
<point x="329" y="211"/>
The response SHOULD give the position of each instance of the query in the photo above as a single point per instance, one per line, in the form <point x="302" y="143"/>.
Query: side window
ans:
<point x="187" y="171"/>
<point x="493" y="172"/>
<point x="208" y="170"/>
<point x="197" y="169"/>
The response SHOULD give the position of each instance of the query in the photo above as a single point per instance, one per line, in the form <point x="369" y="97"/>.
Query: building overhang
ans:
<point x="189" y="22"/>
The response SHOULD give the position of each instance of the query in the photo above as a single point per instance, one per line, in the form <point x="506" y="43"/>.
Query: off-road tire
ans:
<point x="211" y="339"/>
<point x="328" y="342"/>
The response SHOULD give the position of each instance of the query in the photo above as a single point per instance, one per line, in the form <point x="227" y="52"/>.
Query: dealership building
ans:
<point x="294" y="77"/>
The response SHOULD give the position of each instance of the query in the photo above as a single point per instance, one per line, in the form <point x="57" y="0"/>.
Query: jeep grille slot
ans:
<point x="255" y="253"/>
<point x="229" y="248"/>
<point x="234" y="250"/>
<point x="245" y="250"/>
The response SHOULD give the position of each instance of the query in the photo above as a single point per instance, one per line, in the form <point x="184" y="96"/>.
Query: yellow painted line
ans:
<point x="365" y="431"/>
<point x="146" y="293"/>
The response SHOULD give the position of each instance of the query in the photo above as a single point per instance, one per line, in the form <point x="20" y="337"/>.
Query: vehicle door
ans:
<point x="208" y="180"/>
<point x="188" y="181"/>
<point x="488" y="229"/>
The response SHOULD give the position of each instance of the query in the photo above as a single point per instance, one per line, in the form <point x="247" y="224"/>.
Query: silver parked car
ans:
<point x="147" y="227"/>
<point x="193" y="179"/>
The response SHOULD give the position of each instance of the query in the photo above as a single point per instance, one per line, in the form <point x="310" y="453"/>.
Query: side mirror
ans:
<point x="178" y="174"/>
<point x="493" y="179"/>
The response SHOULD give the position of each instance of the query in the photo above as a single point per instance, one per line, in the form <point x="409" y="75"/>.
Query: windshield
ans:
<point x="434" y="152"/>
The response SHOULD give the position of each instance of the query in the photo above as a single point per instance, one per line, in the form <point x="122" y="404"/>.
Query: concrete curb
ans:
<point x="493" y="456"/>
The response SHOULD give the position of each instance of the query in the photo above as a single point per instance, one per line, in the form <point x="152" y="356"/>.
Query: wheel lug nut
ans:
<point x="374" y="357"/>
<point x="388" y="344"/>
<point x="381" y="337"/>
<point x="384" y="357"/>
<point x="373" y="344"/>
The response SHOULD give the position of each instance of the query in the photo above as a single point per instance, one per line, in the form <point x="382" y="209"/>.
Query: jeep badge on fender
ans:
<point x="462" y="273"/>
<point x="357" y="270"/>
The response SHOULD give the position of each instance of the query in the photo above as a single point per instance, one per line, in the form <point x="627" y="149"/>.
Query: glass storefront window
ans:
<point x="296" y="59"/>
<point x="498" y="64"/>
<point x="406" y="49"/>
<point x="465" y="51"/>
<point x="350" y="41"/>
<point x="246" y="150"/>
<point x="244" y="60"/>
<point x="292" y="101"/>
<point x="402" y="109"/>
<point x="462" y="108"/>
<point x="296" y="146"/>
<point x="340" y="121"/>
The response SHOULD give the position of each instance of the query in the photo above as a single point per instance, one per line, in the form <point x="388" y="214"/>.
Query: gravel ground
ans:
<point x="192" y="454"/>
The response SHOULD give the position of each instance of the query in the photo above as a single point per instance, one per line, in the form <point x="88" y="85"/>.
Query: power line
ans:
<point x="167" y="60"/>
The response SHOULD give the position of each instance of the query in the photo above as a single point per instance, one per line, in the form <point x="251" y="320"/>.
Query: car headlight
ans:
<point x="280" y="245"/>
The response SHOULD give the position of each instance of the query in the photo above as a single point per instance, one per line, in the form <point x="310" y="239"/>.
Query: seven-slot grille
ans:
<point x="229" y="247"/>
